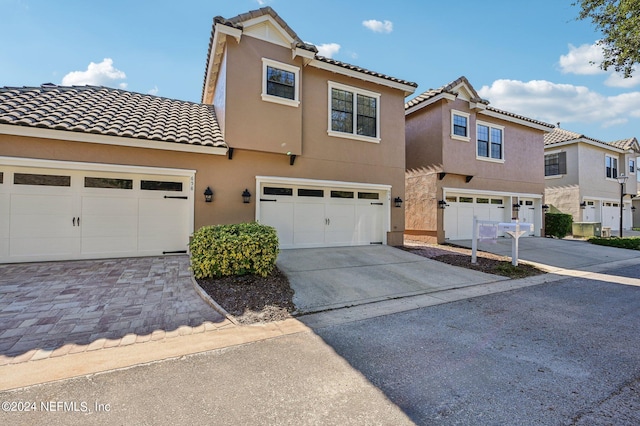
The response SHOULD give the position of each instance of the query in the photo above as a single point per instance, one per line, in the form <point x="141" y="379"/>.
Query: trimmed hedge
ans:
<point x="632" y="243"/>
<point x="557" y="224"/>
<point x="240" y="249"/>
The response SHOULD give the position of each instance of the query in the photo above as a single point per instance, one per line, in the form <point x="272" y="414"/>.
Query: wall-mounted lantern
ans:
<point x="246" y="196"/>
<point x="442" y="204"/>
<point x="583" y="205"/>
<point x="545" y="208"/>
<point x="398" y="202"/>
<point x="208" y="195"/>
<point x="516" y="207"/>
<point x="633" y="208"/>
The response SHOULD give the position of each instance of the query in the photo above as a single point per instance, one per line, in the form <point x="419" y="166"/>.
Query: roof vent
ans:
<point x="48" y="85"/>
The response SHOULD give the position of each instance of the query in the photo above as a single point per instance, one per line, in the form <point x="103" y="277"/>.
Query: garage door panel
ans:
<point x="309" y="224"/>
<point x="280" y="216"/>
<point x="41" y="216"/>
<point x="5" y="212"/>
<point x="45" y="248"/>
<point x="162" y="226"/>
<point x="341" y="224"/>
<point x="369" y="223"/>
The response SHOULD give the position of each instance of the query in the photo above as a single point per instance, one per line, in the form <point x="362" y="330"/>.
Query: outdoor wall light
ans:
<point x="583" y="205"/>
<point x="516" y="207"/>
<point x="545" y="208"/>
<point x="633" y="208"/>
<point x="442" y="204"/>
<point x="208" y="195"/>
<point x="398" y="202"/>
<point x="246" y="196"/>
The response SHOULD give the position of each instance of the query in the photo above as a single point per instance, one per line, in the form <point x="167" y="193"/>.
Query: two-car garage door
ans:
<point x="70" y="213"/>
<point x="316" y="214"/>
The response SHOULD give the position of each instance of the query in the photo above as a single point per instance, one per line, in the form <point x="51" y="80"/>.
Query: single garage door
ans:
<point x="458" y="215"/>
<point x="320" y="216"/>
<point x="60" y="214"/>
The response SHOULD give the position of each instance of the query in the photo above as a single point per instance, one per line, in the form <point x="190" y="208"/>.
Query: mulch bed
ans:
<point x="251" y="298"/>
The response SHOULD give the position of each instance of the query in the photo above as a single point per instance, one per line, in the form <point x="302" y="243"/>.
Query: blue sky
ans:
<point x="526" y="57"/>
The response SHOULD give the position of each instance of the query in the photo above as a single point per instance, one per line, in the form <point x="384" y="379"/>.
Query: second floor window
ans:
<point x="611" y="167"/>
<point x="490" y="142"/>
<point x="555" y="164"/>
<point x="460" y="125"/>
<point x="632" y="166"/>
<point x="280" y="83"/>
<point x="354" y="113"/>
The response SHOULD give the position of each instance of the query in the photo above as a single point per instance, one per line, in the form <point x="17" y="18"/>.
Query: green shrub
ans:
<point x="632" y="243"/>
<point x="240" y="249"/>
<point x="557" y="224"/>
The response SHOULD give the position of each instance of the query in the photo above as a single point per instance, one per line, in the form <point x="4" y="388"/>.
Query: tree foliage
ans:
<point x="619" y="22"/>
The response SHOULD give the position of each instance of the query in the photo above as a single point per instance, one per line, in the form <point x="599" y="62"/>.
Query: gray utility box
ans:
<point x="586" y="229"/>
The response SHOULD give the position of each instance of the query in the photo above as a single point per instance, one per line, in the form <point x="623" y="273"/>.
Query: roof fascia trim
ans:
<point x="362" y="76"/>
<point x="37" y="132"/>
<point x="449" y="97"/>
<point x="516" y="120"/>
<point x="588" y="142"/>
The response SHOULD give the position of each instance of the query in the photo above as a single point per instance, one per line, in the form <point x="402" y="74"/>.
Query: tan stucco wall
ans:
<point x="227" y="178"/>
<point x="565" y="199"/>
<point x="250" y="122"/>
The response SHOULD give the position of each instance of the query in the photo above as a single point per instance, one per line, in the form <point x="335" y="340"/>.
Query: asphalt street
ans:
<point x="560" y="353"/>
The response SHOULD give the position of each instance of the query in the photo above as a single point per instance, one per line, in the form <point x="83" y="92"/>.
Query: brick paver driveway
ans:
<point x="62" y="307"/>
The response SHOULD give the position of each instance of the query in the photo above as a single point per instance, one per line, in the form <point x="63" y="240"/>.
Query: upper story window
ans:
<point x="611" y="167"/>
<point x="459" y="125"/>
<point x="632" y="165"/>
<point x="490" y="141"/>
<point x="280" y="83"/>
<point x="354" y="113"/>
<point x="555" y="164"/>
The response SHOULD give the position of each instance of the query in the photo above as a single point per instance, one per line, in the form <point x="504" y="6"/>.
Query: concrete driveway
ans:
<point x="554" y="253"/>
<point x="57" y="308"/>
<point x="330" y="278"/>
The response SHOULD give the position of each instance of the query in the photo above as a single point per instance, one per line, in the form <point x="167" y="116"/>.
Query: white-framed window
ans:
<point x="280" y="83"/>
<point x="459" y="125"/>
<point x="632" y="166"/>
<point x="555" y="163"/>
<point x="611" y="167"/>
<point x="490" y="142"/>
<point x="353" y="113"/>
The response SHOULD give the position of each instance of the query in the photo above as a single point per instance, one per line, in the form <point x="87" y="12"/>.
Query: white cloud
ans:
<point x="102" y="74"/>
<point x="565" y="103"/>
<point x="586" y="60"/>
<point x="378" y="26"/>
<point x="583" y="60"/>
<point x="153" y="91"/>
<point x="328" y="49"/>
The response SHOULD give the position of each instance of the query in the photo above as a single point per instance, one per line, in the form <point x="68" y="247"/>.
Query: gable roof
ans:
<point x="452" y="90"/>
<point x="110" y="112"/>
<point x="236" y="23"/>
<point x="561" y="136"/>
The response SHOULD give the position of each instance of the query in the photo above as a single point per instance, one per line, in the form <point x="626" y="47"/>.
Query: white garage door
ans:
<point x="321" y="216"/>
<point x="458" y="216"/>
<point x="59" y="214"/>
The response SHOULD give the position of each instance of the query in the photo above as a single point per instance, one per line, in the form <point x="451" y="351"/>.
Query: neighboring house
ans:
<point x="310" y="145"/>
<point x="466" y="159"/>
<point x="581" y="177"/>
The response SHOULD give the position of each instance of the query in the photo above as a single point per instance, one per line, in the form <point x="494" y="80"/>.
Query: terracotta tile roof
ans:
<point x="110" y="112"/>
<point x="448" y="88"/>
<point x="626" y="144"/>
<point x="559" y="135"/>
<point x="451" y="89"/>
<point x="236" y="22"/>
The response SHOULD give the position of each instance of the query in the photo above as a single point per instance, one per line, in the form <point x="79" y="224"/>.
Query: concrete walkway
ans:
<point x="57" y="308"/>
